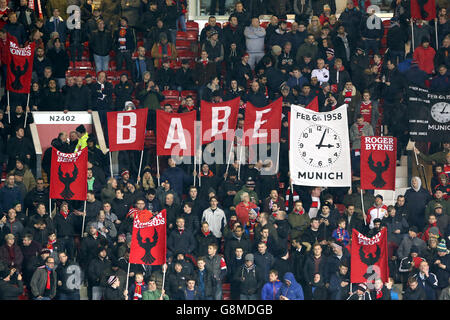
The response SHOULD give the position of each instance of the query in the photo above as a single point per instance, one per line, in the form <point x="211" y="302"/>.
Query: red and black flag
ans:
<point x="148" y="243"/>
<point x="378" y="162"/>
<point x="68" y="178"/>
<point x="19" y="67"/>
<point x="423" y="9"/>
<point x="369" y="257"/>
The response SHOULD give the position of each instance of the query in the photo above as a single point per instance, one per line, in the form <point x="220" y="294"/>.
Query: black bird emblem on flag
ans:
<point x="369" y="259"/>
<point x="18" y="73"/>
<point x="378" y="169"/>
<point x="147" y="245"/>
<point x="67" y="180"/>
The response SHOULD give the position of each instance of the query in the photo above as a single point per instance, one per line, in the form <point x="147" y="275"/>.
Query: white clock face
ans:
<point x="326" y="147"/>
<point x="441" y="112"/>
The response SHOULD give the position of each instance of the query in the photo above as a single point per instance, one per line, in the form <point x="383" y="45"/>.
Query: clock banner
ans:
<point x="369" y="257"/>
<point x="320" y="147"/>
<point x="219" y="120"/>
<point x="175" y="133"/>
<point x="148" y="242"/>
<point x="262" y="125"/>
<point x="68" y="179"/>
<point x="378" y="163"/>
<point x="125" y="131"/>
<point x="429" y="115"/>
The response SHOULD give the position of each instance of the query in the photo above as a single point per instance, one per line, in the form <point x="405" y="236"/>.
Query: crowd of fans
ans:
<point x="241" y="233"/>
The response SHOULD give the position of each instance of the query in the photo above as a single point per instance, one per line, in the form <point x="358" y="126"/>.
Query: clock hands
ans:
<point x="445" y="107"/>
<point x="323" y="145"/>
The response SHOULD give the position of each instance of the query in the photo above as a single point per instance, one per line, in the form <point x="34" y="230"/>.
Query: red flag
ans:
<point x="378" y="163"/>
<point x="175" y="133"/>
<point x="262" y="125"/>
<point x="69" y="175"/>
<point x="426" y="11"/>
<point x="19" y="67"/>
<point x="148" y="242"/>
<point x="126" y="129"/>
<point x="219" y="120"/>
<point x="313" y="105"/>
<point x="369" y="258"/>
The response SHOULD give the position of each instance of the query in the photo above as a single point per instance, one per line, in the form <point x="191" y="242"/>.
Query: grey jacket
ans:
<point x="254" y="39"/>
<point x="355" y="135"/>
<point x="39" y="280"/>
<point x="406" y="244"/>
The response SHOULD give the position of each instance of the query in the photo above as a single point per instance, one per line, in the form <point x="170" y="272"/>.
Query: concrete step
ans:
<point x="404" y="161"/>
<point x="401" y="182"/>
<point x="389" y="196"/>
<point x="401" y="172"/>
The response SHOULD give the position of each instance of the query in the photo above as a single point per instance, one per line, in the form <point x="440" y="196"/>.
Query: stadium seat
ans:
<point x="83" y="65"/>
<point x="181" y="35"/>
<point x="183" y="45"/>
<point x="171" y="94"/>
<point x="192" y="35"/>
<point x="192" y="26"/>
<point x="186" y="93"/>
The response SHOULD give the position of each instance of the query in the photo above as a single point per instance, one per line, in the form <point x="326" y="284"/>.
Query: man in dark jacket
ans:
<point x="204" y="280"/>
<point x="180" y="239"/>
<point x="238" y="239"/>
<point x="315" y="261"/>
<point x="16" y="29"/>
<point x="100" y="44"/>
<point x="124" y="44"/>
<point x="69" y="278"/>
<point x="10" y="290"/>
<point x="78" y="97"/>
<point x="94" y="274"/>
<point x="251" y="279"/>
<point x="44" y="281"/>
<point x="9" y="194"/>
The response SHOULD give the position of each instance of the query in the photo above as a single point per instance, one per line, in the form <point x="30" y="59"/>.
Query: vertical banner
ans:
<point x="319" y="148"/>
<point x="176" y="133"/>
<point x="148" y="242"/>
<point x="429" y="115"/>
<point x="126" y="129"/>
<point x="261" y="125"/>
<point x="219" y="120"/>
<point x="69" y="175"/>
<point x="369" y="257"/>
<point x="378" y="163"/>
<point x="19" y="67"/>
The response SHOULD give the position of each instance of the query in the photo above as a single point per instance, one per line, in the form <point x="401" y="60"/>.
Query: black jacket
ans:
<point x="10" y="291"/>
<point x="100" y="42"/>
<point x="95" y="270"/>
<point x="78" y="98"/>
<point x="209" y="282"/>
<point x="232" y="243"/>
<point x="251" y="279"/>
<point x="60" y="62"/>
<point x="181" y="242"/>
<point x="310" y="267"/>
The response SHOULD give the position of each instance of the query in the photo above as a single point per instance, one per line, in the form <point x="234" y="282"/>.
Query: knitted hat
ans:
<point x="249" y="257"/>
<point x="124" y="172"/>
<point x="250" y="182"/>
<point x="413" y="229"/>
<point x="438" y="205"/>
<point x="414" y="249"/>
<point x="362" y="287"/>
<point x="434" y="232"/>
<point x="330" y="51"/>
<point x="442" y="246"/>
<point x="80" y="129"/>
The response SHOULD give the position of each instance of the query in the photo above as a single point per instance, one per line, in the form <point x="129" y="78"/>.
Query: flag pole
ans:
<point x="195" y="167"/>
<point x="229" y="157"/>
<point x="9" y="111"/>
<point x="164" y="279"/>
<point x="26" y="112"/>
<point x="200" y="168"/>
<point x="49" y="206"/>
<point x="110" y="164"/>
<point x="240" y="159"/>
<point x="157" y="169"/>
<point x="128" y="274"/>
<point x="140" y="162"/>
<point x="84" y="219"/>
<point x="362" y="206"/>
<point x="436" y="32"/>
<point x="412" y="36"/>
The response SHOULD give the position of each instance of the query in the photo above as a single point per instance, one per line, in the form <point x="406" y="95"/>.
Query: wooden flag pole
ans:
<point x="157" y="170"/>
<point x="164" y="278"/>
<point x="26" y="112"/>
<point x="140" y="163"/>
<point x="110" y="164"/>
<point x="229" y="157"/>
<point x="362" y="206"/>
<point x="128" y="274"/>
<point x="412" y="36"/>
<point x="195" y="167"/>
<point x="200" y="168"/>
<point x="9" y="111"/>
<point x="436" y="32"/>
<point x="84" y="219"/>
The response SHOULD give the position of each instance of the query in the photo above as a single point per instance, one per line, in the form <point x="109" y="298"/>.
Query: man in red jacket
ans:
<point x="424" y="54"/>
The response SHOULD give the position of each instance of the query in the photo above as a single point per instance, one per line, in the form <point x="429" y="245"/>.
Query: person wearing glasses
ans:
<point x="44" y="281"/>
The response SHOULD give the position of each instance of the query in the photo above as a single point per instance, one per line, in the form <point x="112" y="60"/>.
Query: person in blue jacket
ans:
<point x="290" y="289"/>
<point x="271" y="288"/>
<point x="176" y="176"/>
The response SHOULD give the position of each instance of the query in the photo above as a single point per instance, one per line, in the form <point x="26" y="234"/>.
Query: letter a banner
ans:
<point x="378" y="163"/>
<point x="175" y="133"/>
<point x="423" y="9"/>
<point x="126" y="129"/>
<point x="148" y="242"/>
<point x="19" y="67"/>
<point x="319" y="148"/>
<point x="219" y="120"/>
<point x="68" y="178"/>
<point x="369" y="257"/>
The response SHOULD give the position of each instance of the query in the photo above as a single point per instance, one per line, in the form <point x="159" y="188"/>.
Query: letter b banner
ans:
<point x="126" y="129"/>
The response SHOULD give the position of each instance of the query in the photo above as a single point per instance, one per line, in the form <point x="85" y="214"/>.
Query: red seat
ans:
<point x="183" y="44"/>
<point x="186" y="54"/>
<point x="181" y="35"/>
<point x="186" y="93"/>
<point x="83" y="65"/>
<point x="192" y="26"/>
<point x="217" y="23"/>
<point x="171" y="94"/>
<point x="192" y="35"/>
<point x="112" y="65"/>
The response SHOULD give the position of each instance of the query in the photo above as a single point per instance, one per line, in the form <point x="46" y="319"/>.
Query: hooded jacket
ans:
<point x="415" y="202"/>
<point x="292" y="292"/>
<point x="270" y="290"/>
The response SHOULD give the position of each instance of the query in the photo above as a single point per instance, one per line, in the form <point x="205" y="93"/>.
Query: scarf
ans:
<point x="348" y="96"/>
<point x="49" y="271"/>
<point x="11" y="253"/>
<point x="138" y="291"/>
<point x="64" y="214"/>
<point x="299" y="212"/>
<point x="206" y="233"/>
<point x="210" y="174"/>
<point x="50" y="244"/>
<point x="379" y="293"/>
<point x="204" y="62"/>
<point x="122" y="38"/>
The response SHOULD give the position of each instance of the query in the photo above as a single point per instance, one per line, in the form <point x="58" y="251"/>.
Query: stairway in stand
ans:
<point x="401" y="183"/>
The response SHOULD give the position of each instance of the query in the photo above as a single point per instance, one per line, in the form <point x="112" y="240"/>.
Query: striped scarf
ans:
<point x="138" y="291"/>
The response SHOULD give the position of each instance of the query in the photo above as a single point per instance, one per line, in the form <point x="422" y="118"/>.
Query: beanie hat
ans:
<point x="249" y="257"/>
<point x="414" y="249"/>
<point x="362" y="287"/>
<point x="111" y="280"/>
<point x="80" y="129"/>
<point x="442" y="246"/>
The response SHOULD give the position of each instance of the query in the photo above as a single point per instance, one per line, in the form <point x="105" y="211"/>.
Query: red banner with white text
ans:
<point x="175" y="133"/>
<point x="219" y="120"/>
<point x="126" y="129"/>
<point x="19" y="67"/>
<point x="262" y="125"/>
